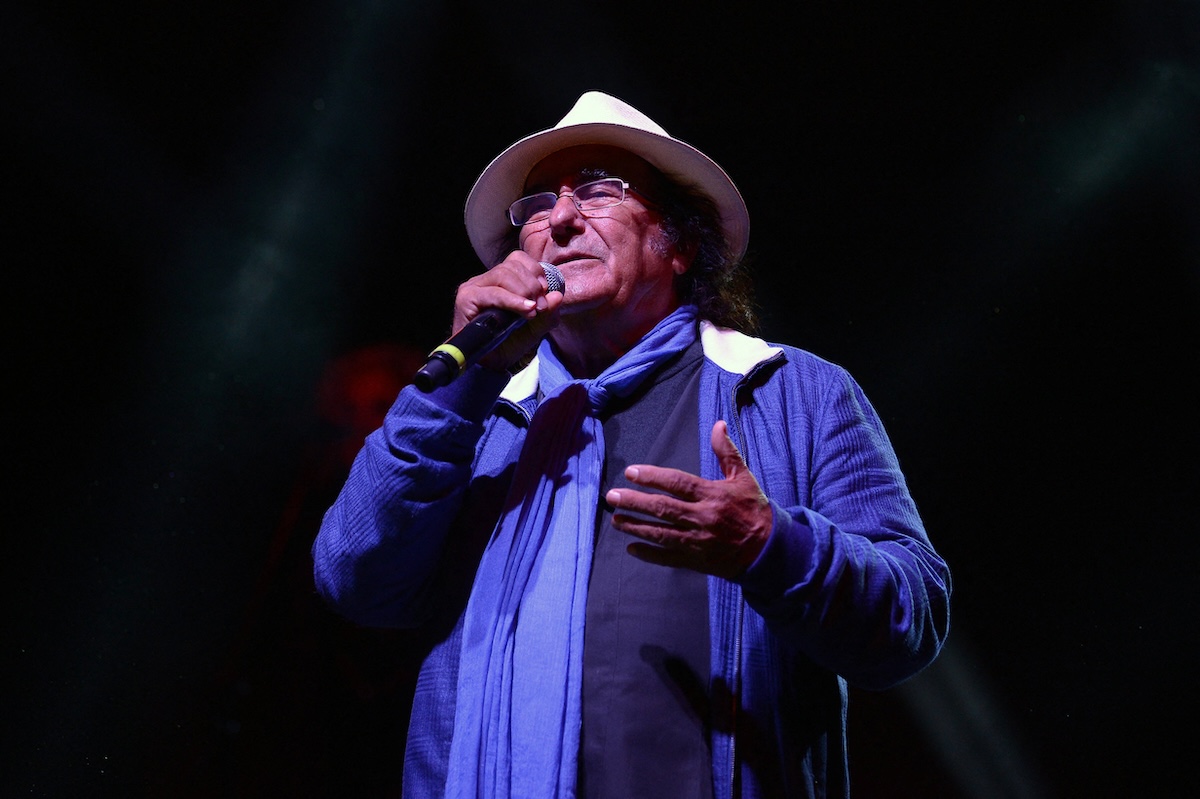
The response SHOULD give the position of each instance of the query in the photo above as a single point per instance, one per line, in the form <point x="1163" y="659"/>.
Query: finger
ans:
<point x="522" y="274"/>
<point x="659" y="533"/>
<point x="658" y="506"/>
<point x="476" y="299"/>
<point x="726" y="451"/>
<point x="546" y="315"/>
<point x="674" y="481"/>
<point x="522" y="260"/>
<point x="680" y="559"/>
<point x="520" y="269"/>
<point x="517" y="272"/>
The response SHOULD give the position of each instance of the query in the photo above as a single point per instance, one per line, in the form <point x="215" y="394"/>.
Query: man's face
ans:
<point x="618" y="269"/>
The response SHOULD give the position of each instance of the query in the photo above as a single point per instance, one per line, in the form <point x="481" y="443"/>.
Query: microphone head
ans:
<point x="554" y="278"/>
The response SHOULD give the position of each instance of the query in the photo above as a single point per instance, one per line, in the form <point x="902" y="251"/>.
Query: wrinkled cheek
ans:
<point x="531" y="243"/>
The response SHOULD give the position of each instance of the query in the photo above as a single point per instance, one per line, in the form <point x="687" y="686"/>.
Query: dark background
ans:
<point x="988" y="212"/>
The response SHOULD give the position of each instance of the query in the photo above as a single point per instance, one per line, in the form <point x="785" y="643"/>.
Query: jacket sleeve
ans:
<point x="382" y="539"/>
<point x="849" y="576"/>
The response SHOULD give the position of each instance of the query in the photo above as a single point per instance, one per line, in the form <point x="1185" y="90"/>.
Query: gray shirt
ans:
<point x="646" y="642"/>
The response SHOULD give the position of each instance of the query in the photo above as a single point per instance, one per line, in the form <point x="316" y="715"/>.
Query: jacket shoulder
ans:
<point x="742" y="355"/>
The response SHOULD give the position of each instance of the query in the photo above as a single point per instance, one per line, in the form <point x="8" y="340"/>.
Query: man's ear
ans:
<point x="681" y="259"/>
<point x="678" y="253"/>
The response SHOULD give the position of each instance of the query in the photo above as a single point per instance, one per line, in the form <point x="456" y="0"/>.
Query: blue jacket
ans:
<point x="848" y="589"/>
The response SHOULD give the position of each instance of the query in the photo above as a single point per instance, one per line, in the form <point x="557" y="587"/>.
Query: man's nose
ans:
<point x="565" y="214"/>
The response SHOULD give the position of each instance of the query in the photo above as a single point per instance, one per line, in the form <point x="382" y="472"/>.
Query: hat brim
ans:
<point x="486" y="211"/>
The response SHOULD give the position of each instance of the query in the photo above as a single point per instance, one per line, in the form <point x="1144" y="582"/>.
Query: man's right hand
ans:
<point x="516" y="284"/>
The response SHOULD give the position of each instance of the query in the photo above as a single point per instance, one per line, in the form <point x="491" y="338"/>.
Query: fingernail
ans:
<point x="632" y="472"/>
<point x="613" y="497"/>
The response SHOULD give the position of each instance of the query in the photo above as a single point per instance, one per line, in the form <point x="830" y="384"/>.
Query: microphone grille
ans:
<point x="554" y="278"/>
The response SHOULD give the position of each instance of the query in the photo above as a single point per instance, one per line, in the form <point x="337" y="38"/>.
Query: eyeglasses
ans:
<point x="605" y="193"/>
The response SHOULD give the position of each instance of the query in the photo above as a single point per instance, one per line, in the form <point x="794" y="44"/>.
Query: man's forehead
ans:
<point x="587" y="162"/>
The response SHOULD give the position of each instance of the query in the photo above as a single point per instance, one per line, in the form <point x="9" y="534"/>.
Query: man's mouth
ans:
<point x="566" y="259"/>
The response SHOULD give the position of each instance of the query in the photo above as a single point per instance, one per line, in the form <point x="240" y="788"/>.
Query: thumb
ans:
<point x="726" y="451"/>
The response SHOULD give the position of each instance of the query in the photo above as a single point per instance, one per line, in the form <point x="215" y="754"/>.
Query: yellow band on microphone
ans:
<point x="453" y="351"/>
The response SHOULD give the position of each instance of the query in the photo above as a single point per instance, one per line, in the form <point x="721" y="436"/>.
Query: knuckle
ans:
<point x="661" y="507"/>
<point x="678" y="484"/>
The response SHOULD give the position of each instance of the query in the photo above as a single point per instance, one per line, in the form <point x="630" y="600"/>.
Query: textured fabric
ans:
<point x="847" y="590"/>
<point x="518" y="712"/>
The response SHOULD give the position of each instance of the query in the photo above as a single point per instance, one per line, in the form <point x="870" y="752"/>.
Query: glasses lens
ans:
<point x="533" y="208"/>
<point x="600" y="193"/>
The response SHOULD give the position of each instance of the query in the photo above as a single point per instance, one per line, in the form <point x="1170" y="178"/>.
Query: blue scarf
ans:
<point x="517" y="715"/>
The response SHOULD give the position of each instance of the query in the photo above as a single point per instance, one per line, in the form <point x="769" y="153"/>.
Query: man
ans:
<point x="653" y="558"/>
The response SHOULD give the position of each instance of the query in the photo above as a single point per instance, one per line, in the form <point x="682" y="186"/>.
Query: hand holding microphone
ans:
<point x="503" y="294"/>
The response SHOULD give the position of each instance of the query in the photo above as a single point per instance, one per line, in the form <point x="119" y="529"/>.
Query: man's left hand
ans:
<point x="712" y="526"/>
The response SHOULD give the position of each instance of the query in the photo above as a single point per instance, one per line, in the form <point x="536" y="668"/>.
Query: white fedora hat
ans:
<point x="598" y="118"/>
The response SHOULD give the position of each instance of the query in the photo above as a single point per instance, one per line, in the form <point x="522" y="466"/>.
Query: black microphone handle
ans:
<point x="479" y="337"/>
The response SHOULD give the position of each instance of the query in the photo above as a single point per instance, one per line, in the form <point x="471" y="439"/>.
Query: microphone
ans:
<point x="480" y="336"/>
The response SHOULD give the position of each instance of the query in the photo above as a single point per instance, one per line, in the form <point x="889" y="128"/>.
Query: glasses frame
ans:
<point x="625" y="189"/>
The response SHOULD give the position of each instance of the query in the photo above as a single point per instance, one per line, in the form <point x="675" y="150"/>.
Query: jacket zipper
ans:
<point x="740" y="440"/>
<point x="735" y="768"/>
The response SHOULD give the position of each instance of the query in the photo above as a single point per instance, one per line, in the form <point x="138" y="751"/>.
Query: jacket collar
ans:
<point x="730" y="350"/>
<point x="733" y="351"/>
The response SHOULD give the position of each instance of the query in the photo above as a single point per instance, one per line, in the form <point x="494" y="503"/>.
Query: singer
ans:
<point x="652" y="558"/>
